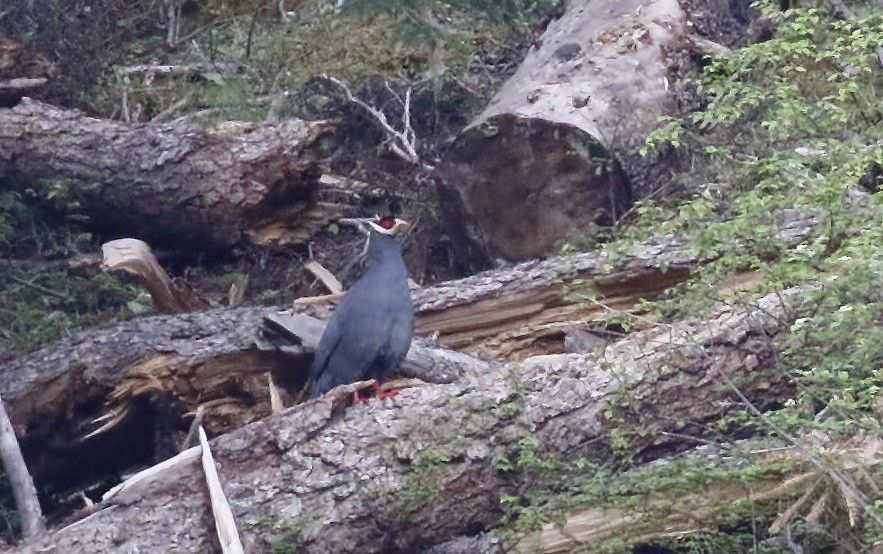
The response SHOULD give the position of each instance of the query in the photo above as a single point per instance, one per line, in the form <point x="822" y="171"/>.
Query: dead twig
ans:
<point x="326" y="277"/>
<point x="191" y="433"/>
<point x="403" y="143"/>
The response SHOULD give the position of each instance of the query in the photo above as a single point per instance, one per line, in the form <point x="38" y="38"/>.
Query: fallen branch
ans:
<point x="20" y="481"/>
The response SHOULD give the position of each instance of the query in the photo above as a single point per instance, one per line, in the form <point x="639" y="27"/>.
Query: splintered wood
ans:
<point x="135" y="256"/>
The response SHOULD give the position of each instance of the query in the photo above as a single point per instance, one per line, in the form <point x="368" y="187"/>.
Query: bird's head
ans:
<point x="389" y="225"/>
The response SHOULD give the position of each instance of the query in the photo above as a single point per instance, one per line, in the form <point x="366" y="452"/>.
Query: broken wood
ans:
<point x="326" y="277"/>
<point x="135" y="257"/>
<point x="73" y="394"/>
<point x="528" y="309"/>
<point x="405" y="473"/>
<point x="225" y="523"/>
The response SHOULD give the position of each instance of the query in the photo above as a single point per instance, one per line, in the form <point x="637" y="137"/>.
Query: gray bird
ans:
<point x="370" y="332"/>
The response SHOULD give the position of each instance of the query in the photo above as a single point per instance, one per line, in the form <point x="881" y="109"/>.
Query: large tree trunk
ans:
<point x="176" y="183"/>
<point x="433" y="463"/>
<point x="562" y="134"/>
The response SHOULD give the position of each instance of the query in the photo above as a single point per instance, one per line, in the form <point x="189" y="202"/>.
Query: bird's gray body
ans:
<point x="370" y="331"/>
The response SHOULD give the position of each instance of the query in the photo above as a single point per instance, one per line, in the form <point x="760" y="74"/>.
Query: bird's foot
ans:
<point x="357" y="398"/>
<point x="382" y="393"/>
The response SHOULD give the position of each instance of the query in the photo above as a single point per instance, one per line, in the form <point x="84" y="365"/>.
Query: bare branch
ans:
<point x="403" y="142"/>
<point x="19" y="479"/>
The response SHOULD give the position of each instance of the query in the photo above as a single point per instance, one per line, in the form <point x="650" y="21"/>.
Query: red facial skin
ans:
<point x="387" y="222"/>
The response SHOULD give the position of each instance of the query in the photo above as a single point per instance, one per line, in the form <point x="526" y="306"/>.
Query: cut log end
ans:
<point x="563" y="180"/>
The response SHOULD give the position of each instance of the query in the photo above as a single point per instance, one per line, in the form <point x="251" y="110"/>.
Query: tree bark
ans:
<point x="219" y="358"/>
<point x="144" y="375"/>
<point x="562" y="134"/>
<point x="177" y="183"/>
<point x="433" y="463"/>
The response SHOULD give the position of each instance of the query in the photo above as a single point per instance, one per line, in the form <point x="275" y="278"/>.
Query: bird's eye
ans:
<point x="387" y="222"/>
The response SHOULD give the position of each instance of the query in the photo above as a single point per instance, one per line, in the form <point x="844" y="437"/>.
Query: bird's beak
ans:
<point x="398" y="227"/>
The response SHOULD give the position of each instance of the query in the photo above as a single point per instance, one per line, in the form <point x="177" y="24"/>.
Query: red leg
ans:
<point x="357" y="398"/>
<point x="382" y="394"/>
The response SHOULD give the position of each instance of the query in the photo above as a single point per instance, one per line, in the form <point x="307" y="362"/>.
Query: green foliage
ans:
<point x="11" y="210"/>
<point x="248" y="53"/>
<point x="651" y="490"/>
<point x="707" y="542"/>
<point x="788" y="127"/>
<point x="805" y="108"/>
<point x="39" y="307"/>
<point x="835" y="346"/>
<point x="438" y="21"/>
<point x="791" y="124"/>
<point x="42" y="300"/>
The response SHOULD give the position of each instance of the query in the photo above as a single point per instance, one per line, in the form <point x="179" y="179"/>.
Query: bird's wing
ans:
<point x="401" y="333"/>
<point x="330" y="337"/>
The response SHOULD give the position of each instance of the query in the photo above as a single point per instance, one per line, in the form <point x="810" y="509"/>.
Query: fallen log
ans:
<point x="562" y="134"/>
<point x="180" y="183"/>
<point x="149" y="372"/>
<point x="529" y="308"/>
<point x="432" y="464"/>
<point x="156" y="369"/>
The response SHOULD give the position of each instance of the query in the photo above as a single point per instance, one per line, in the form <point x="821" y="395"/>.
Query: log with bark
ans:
<point x="85" y="401"/>
<point x="562" y="134"/>
<point x="143" y="375"/>
<point x="433" y="463"/>
<point x="181" y="183"/>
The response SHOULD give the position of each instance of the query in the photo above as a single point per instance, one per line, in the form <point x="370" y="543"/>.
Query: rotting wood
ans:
<point x="348" y="478"/>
